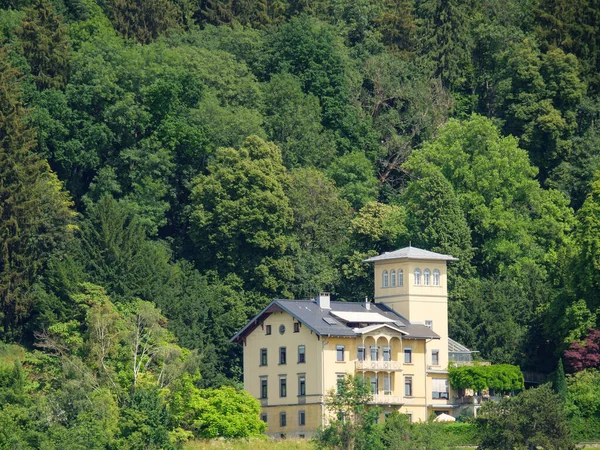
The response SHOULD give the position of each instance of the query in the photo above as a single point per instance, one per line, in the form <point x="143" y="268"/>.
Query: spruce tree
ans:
<point x="561" y="382"/>
<point x="43" y="40"/>
<point x="445" y="39"/>
<point x="143" y="20"/>
<point x="34" y="210"/>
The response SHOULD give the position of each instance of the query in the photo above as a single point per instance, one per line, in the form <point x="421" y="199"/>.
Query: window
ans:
<point x="301" y="418"/>
<point x="400" y="277"/>
<point x="263" y="356"/>
<point x="339" y="352"/>
<point x="387" y="353"/>
<point x="440" y="388"/>
<point x="384" y="281"/>
<point x="407" y="355"/>
<point x="429" y="324"/>
<point x="283" y="387"/>
<point x="426" y="277"/>
<point x="282" y="419"/>
<point x="263" y="417"/>
<point x="361" y="353"/>
<point x="296" y="327"/>
<point x="409" y="417"/>
<point x="374" y="383"/>
<point x="408" y="386"/>
<point x="301" y="385"/>
<point x="301" y="354"/>
<point x="268" y="329"/>
<point x="374" y="353"/>
<point x="281" y="329"/>
<point x="417" y="277"/>
<point x="387" y="384"/>
<point x="340" y="379"/>
<point x="393" y="278"/>
<point x="435" y="357"/>
<point x="282" y="355"/>
<point x="263" y="388"/>
<point x="436" y="277"/>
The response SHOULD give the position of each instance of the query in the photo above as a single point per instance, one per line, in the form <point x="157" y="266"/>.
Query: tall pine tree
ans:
<point x="34" y="210"/>
<point x="43" y="40"/>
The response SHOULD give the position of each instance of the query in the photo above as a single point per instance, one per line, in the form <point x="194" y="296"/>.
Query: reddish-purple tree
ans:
<point x="584" y="356"/>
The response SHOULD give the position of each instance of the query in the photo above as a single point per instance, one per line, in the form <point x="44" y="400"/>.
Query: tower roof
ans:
<point x="411" y="253"/>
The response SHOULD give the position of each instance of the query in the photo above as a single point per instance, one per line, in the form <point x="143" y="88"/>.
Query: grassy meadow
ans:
<point x="249" y="444"/>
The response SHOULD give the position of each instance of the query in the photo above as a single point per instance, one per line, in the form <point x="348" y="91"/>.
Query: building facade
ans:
<point x="296" y="350"/>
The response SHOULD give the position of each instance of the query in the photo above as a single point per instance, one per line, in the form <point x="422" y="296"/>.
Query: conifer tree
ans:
<point x="34" y="210"/>
<point x="43" y="41"/>
<point x="561" y="382"/>
<point x="143" y="20"/>
<point x="444" y="28"/>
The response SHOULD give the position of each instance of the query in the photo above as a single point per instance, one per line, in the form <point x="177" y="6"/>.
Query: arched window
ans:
<point x="384" y="281"/>
<point x="426" y="277"/>
<point x="417" y="277"/>
<point x="436" y="277"/>
<point x="393" y="278"/>
<point x="400" y="277"/>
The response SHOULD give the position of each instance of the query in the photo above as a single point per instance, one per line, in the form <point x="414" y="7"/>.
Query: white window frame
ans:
<point x="384" y="279"/>
<point x="426" y="277"/>
<point x="337" y="353"/>
<point x="400" y="277"/>
<point x="437" y="353"/>
<point x="417" y="274"/>
<point x="387" y="384"/>
<point x="374" y="348"/>
<point x="407" y="351"/>
<point x="439" y="388"/>
<point x="392" y="278"/>
<point x="436" y="277"/>
<point x="387" y="350"/>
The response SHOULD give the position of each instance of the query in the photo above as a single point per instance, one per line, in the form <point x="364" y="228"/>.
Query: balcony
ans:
<point x="388" y="366"/>
<point x="386" y="400"/>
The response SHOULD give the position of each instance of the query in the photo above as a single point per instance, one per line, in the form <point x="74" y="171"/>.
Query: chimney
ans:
<point x="324" y="300"/>
<point x="367" y="304"/>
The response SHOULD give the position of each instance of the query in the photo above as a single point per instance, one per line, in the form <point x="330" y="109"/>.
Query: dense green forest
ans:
<point x="169" y="166"/>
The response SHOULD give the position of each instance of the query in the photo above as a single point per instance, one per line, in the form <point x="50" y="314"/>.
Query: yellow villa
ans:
<point x="295" y="350"/>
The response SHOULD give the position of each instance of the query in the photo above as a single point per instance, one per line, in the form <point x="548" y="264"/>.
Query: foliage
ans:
<point x="580" y="356"/>
<point x="43" y="39"/>
<point x="143" y="20"/>
<point x="35" y="215"/>
<point x="351" y="420"/>
<point x="560" y="386"/>
<point x="534" y="418"/>
<point x="583" y="405"/>
<point x="240" y="215"/>
<point x="499" y="377"/>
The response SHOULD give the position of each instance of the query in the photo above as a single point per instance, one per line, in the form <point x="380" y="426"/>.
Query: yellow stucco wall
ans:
<point x="273" y="371"/>
<point x="418" y="303"/>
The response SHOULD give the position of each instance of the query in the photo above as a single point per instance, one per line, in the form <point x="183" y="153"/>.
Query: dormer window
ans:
<point x="426" y="277"/>
<point x="400" y="277"/>
<point x="436" y="277"/>
<point x="384" y="281"/>
<point x="393" y="278"/>
<point x="417" y="277"/>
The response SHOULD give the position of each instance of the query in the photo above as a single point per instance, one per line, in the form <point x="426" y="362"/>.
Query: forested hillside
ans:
<point x="169" y="166"/>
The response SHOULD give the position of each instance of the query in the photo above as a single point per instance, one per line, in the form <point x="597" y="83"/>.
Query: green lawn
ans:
<point x="251" y="444"/>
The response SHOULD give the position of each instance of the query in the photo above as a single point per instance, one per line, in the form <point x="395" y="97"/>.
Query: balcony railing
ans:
<point x="379" y="365"/>
<point x="386" y="400"/>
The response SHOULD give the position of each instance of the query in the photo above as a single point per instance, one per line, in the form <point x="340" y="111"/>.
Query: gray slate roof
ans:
<point x="412" y="253"/>
<point x="313" y="317"/>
